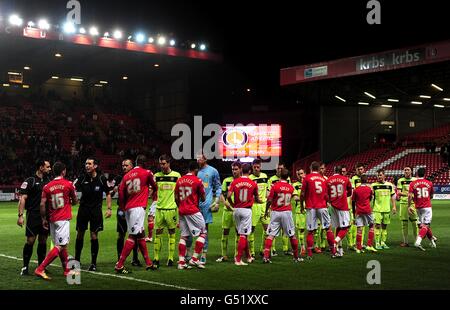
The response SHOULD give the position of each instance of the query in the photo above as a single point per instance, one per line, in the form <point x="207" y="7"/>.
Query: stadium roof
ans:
<point x="87" y="61"/>
<point x="412" y="76"/>
<point x="258" y="41"/>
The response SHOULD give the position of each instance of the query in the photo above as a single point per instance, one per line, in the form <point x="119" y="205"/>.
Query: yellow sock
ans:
<point x="317" y="236"/>
<point x="323" y="239"/>
<point x="362" y="233"/>
<point x="301" y="238"/>
<point x="285" y="243"/>
<point x="171" y="246"/>
<point x="351" y="236"/>
<point x="224" y="243"/>
<point x="415" y="229"/>
<point x="384" y="235"/>
<point x="377" y="236"/>
<point x="405" y="231"/>
<point x="157" y="246"/>
<point x="251" y="243"/>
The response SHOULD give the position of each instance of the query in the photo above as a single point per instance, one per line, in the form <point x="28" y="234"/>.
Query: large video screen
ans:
<point x="250" y="141"/>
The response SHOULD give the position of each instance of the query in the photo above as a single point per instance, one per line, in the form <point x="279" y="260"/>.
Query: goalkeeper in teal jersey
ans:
<point x="384" y="193"/>
<point x="300" y="215"/>
<point x="405" y="216"/>
<point x="258" y="209"/>
<point x="166" y="209"/>
<point x="227" y="215"/>
<point x="213" y="189"/>
<point x="274" y="179"/>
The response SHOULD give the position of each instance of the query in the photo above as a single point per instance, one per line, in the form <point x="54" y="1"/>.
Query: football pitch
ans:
<point x="401" y="268"/>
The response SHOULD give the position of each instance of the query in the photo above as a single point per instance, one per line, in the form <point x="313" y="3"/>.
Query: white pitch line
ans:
<point x="112" y="275"/>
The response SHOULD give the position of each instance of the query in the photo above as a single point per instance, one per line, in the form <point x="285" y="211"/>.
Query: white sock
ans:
<point x="418" y="240"/>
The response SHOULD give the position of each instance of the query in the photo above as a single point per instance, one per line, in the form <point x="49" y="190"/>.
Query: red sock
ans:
<point x="359" y="240"/>
<point x="182" y="249"/>
<point x="199" y="243"/>
<point x="54" y="253"/>
<point x="267" y="247"/>
<point x="294" y="244"/>
<point x="247" y="251"/>
<point x="64" y="257"/>
<point x="423" y="231"/>
<point x="330" y="238"/>
<point x="371" y="236"/>
<point x="151" y="225"/>
<point x="310" y="242"/>
<point x="241" y="247"/>
<point x="143" y="248"/>
<point x="127" y="248"/>
<point x="429" y="233"/>
<point x="342" y="232"/>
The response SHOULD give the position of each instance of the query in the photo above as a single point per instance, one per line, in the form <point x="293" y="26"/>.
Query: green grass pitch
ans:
<point x="401" y="268"/>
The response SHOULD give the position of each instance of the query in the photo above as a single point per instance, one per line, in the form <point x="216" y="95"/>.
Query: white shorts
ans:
<point x="135" y="220"/>
<point x="243" y="219"/>
<point x="281" y="220"/>
<point x="425" y="215"/>
<point x="152" y="210"/>
<point x="312" y="215"/>
<point x="192" y="225"/>
<point x="364" y="220"/>
<point x="340" y="218"/>
<point x="60" y="231"/>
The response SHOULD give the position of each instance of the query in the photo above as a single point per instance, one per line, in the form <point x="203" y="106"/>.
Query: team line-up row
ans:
<point x="335" y="208"/>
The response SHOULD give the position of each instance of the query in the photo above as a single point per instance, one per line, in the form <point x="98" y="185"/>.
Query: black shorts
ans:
<point x="121" y="222"/>
<point x="92" y="215"/>
<point x="34" y="225"/>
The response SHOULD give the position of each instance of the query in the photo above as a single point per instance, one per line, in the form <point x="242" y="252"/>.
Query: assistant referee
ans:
<point x="30" y="200"/>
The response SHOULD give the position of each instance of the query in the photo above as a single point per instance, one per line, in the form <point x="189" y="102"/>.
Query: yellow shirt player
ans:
<point x="355" y="181"/>
<point x="383" y="198"/>
<point x="300" y="215"/>
<point x="227" y="215"/>
<point x="402" y="195"/>
<point x="166" y="215"/>
<point x="258" y="209"/>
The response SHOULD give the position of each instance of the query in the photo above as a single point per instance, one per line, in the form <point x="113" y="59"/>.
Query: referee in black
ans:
<point x="30" y="200"/>
<point x="92" y="185"/>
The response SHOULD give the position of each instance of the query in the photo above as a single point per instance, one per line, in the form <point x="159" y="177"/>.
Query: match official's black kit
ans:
<point x="90" y="210"/>
<point x="32" y="187"/>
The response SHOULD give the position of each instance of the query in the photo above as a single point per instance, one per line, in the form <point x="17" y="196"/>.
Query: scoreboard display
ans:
<point x="250" y="141"/>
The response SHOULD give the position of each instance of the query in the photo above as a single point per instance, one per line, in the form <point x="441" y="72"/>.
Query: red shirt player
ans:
<point x="279" y="201"/>
<point x="188" y="191"/>
<point x="56" y="206"/>
<point x="133" y="198"/>
<point x="245" y="193"/>
<point x="339" y="189"/>
<point x="362" y="195"/>
<point x="314" y="193"/>
<point x="421" y="191"/>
